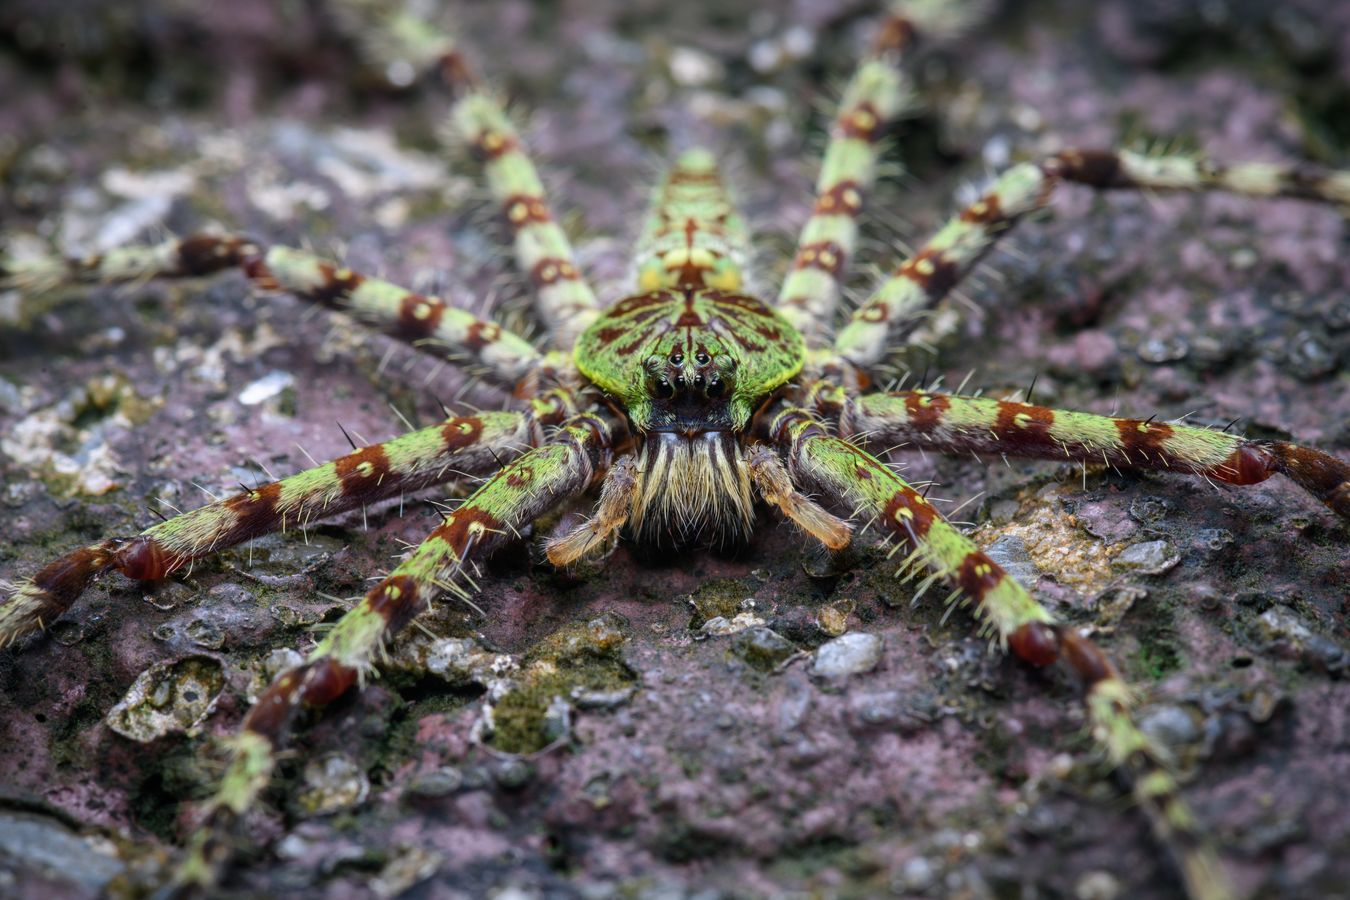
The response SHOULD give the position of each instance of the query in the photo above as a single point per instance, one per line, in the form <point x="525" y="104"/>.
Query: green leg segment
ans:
<point x="983" y="425"/>
<point x="882" y="322"/>
<point x="516" y="495"/>
<point x="878" y="93"/>
<point x="428" y="323"/>
<point x="462" y="446"/>
<point x="1017" y="622"/>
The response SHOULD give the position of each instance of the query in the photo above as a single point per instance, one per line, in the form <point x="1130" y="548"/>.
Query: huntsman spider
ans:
<point x="676" y="413"/>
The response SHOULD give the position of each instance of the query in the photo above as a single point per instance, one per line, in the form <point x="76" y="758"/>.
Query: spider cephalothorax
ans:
<point x="688" y="365"/>
<point x="683" y="404"/>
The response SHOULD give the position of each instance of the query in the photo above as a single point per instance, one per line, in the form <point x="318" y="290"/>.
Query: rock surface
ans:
<point x="658" y="760"/>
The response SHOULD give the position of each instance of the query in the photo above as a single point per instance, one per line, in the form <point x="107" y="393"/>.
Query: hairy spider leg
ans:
<point x="950" y="422"/>
<point x="427" y="323"/>
<point x="879" y="93"/>
<point x="522" y="490"/>
<point x="809" y="297"/>
<point x="459" y="447"/>
<point x="602" y="528"/>
<point x="1008" y="613"/>
<point x="564" y="302"/>
<point x="921" y="282"/>
<point x="407" y="47"/>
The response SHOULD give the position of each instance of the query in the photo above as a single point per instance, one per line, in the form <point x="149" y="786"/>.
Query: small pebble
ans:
<point x="1170" y="726"/>
<point x="1097" y="886"/>
<point x="168" y="698"/>
<point x="438" y="783"/>
<point x="513" y="773"/>
<point x="919" y="874"/>
<point x="333" y="782"/>
<point x="762" y="647"/>
<point x="1148" y="558"/>
<point x="833" y="619"/>
<point x="849" y="654"/>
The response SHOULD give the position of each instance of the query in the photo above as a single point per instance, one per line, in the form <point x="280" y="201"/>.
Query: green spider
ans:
<point x="684" y="403"/>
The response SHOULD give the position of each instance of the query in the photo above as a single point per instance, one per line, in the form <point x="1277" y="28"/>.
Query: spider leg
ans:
<point x="878" y="93"/>
<point x="428" y="323"/>
<point x="616" y="498"/>
<point x="954" y="423"/>
<point x="517" y="494"/>
<point x="407" y="47"/>
<point x="775" y="485"/>
<point x="926" y="278"/>
<point x="564" y="301"/>
<point x="1012" y="616"/>
<point x="459" y="446"/>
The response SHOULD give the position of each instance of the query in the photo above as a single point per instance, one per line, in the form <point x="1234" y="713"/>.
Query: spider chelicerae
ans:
<point x="683" y="404"/>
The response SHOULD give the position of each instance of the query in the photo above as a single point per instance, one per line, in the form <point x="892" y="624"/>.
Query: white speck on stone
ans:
<point x="1148" y="557"/>
<point x="720" y="626"/>
<point x="333" y="782"/>
<point x="1097" y="886"/>
<point x="266" y="387"/>
<point x="848" y="654"/>
<point x="1279" y="624"/>
<point x="693" y="68"/>
<point x="799" y="41"/>
<point x="9" y="306"/>
<point x="400" y="73"/>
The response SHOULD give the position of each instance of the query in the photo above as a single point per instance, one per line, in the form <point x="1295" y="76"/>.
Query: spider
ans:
<point x="684" y="402"/>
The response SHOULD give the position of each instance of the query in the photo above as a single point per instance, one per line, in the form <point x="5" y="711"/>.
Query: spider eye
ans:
<point x="662" y="390"/>
<point x="702" y="358"/>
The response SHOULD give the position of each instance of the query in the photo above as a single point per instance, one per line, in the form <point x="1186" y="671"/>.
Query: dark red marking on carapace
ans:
<point x="920" y="518"/>
<point x="491" y="145"/>
<point x="988" y="210"/>
<point x="895" y="35"/>
<point x="468" y="524"/>
<point x="336" y="286"/>
<point x="1143" y="440"/>
<point x="1097" y="168"/>
<point x="204" y="254"/>
<point x="461" y="431"/>
<point x="827" y="256"/>
<point x="523" y="210"/>
<point x="397" y="600"/>
<point x="255" y="513"/>
<point x="861" y="122"/>
<point x="418" y="317"/>
<point x="551" y="270"/>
